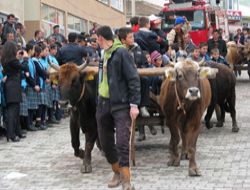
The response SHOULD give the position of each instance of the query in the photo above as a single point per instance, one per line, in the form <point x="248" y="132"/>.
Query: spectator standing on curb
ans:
<point x="12" y="70"/>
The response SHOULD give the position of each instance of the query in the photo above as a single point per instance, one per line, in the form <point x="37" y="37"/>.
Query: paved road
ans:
<point x="44" y="160"/>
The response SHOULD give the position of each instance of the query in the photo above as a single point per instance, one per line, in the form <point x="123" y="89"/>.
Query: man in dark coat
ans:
<point x="145" y="38"/>
<point x="72" y="52"/>
<point x="57" y="35"/>
<point x="118" y="101"/>
<point x="9" y="27"/>
<point x="216" y="42"/>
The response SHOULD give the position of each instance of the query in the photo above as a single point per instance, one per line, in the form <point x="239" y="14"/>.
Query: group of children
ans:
<point x="200" y="52"/>
<point x="40" y="94"/>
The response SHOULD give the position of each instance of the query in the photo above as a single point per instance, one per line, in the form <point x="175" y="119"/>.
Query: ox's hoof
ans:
<point x="193" y="172"/>
<point x="86" y="168"/>
<point x="235" y="129"/>
<point x="80" y="153"/>
<point x="184" y="156"/>
<point x="174" y="162"/>
<point x="219" y="124"/>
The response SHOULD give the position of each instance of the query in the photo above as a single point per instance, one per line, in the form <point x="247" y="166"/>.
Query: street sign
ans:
<point x="234" y="15"/>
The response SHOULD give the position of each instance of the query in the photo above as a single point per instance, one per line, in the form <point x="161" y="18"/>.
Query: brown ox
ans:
<point x="185" y="95"/>
<point x="81" y="94"/>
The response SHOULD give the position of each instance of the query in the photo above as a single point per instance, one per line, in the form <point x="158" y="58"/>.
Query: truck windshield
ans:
<point x="195" y="17"/>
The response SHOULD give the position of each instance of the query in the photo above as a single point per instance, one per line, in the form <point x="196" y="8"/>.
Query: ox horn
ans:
<point x="54" y="66"/>
<point x="84" y="65"/>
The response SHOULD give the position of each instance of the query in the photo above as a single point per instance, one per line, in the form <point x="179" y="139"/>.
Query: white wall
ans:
<point x="15" y="7"/>
<point x="32" y="10"/>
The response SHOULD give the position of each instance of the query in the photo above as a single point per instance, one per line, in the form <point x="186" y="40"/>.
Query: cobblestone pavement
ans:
<point x="45" y="159"/>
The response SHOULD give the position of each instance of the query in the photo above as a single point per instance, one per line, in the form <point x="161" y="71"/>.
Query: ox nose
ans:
<point x="193" y="91"/>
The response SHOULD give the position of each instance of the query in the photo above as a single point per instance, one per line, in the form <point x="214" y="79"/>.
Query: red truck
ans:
<point x="201" y="16"/>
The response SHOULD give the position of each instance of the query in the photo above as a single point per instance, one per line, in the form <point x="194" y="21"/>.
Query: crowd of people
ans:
<point x="30" y="96"/>
<point x="145" y="41"/>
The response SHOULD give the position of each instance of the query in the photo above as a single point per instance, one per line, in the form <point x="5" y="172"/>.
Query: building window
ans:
<point x="236" y="4"/>
<point x="3" y="17"/>
<point x="230" y="4"/>
<point x="50" y="18"/>
<point x="104" y="1"/>
<point x="117" y="4"/>
<point x="76" y="24"/>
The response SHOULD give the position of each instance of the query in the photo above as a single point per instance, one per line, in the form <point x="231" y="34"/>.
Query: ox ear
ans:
<point x="170" y="73"/>
<point x="208" y="72"/>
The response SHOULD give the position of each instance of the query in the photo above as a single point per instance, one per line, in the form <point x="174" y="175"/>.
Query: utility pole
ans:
<point x="132" y="8"/>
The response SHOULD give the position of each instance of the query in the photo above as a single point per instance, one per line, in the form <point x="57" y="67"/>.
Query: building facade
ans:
<point x="142" y="8"/>
<point x="12" y="6"/>
<point x="72" y="16"/>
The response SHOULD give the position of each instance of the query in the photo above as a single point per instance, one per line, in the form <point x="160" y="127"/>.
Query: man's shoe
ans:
<point x="125" y="179"/>
<point x="144" y="112"/>
<point x="116" y="180"/>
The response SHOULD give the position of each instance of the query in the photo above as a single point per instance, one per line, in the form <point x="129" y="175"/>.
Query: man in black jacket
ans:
<point x="145" y="38"/>
<point x="72" y="52"/>
<point x="119" y="97"/>
<point x="9" y="27"/>
<point x="216" y="42"/>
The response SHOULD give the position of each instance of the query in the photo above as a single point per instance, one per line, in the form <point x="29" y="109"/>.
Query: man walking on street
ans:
<point x="119" y="97"/>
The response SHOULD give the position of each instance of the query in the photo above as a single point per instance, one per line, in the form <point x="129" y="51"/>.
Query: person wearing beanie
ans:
<point x="155" y="81"/>
<point x="176" y="35"/>
<point x="156" y="58"/>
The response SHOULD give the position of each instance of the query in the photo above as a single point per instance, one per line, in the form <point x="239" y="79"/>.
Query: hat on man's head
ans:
<point x="154" y="19"/>
<point x="179" y="20"/>
<point x="154" y="56"/>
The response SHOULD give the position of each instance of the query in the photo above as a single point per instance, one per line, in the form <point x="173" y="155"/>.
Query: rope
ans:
<point x="180" y="105"/>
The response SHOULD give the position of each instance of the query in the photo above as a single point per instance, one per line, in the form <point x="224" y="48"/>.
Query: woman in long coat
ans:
<point x="12" y="70"/>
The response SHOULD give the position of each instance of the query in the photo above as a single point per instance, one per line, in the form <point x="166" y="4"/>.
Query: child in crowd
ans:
<point x="126" y="36"/>
<point x="155" y="81"/>
<point x="203" y="51"/>
<point x="32" y="88"/>
<point x="41" y="51"/>
<point x="54" y="113"/>
<point x="195" y="55"/>
<point x="148" y="58"/>
<point x="215" y="55"/>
